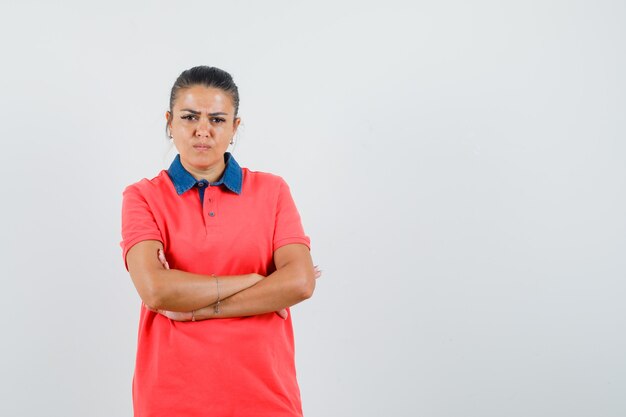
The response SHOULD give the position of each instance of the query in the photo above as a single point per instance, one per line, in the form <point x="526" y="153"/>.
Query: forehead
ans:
<point x="204" y="99"/>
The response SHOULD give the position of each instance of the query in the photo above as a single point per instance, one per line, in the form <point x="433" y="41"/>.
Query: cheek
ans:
<point x="227" y="130"/>
<point x="180" y="131"/>
<point x="181" y="142"/>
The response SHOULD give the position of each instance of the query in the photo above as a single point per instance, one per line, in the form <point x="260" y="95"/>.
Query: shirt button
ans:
<point x="211" y="213"/>
<point x="200" y="184"/>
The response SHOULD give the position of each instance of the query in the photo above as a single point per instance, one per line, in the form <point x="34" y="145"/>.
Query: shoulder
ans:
<point x="262" y="180"/>
<point x="147" y="186"/>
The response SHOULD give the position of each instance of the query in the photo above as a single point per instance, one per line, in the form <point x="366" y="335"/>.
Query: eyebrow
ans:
<point x="219" y="113"/>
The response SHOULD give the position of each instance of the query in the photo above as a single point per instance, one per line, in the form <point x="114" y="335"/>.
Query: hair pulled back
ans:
<point x="209" y="77"/>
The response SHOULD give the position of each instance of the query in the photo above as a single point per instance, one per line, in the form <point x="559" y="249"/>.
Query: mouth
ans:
<point x="201" y="147"/>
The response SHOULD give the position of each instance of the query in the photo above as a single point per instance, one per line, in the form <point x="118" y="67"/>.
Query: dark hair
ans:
<point x="208" y="77"/>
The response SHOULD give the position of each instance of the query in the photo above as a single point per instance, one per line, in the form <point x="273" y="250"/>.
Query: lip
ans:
<point x="201" y="147"/>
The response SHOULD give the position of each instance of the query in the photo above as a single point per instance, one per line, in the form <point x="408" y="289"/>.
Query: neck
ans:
<point x="211" y="174"/>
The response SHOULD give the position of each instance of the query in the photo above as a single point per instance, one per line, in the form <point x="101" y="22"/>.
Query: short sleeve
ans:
<point x="288" y="227"/>
<point x="138" y="221"/>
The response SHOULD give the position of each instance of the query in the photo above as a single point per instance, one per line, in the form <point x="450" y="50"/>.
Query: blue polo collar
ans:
<point x="184" y="181"/>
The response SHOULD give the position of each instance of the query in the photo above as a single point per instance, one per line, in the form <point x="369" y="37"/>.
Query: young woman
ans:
<point x="217" y="254"/>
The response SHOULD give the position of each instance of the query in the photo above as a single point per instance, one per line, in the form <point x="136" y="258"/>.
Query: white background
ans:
<point x="459" y="166"/>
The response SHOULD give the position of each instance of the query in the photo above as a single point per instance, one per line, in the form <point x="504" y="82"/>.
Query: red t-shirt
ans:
<point x="220" y="367"/>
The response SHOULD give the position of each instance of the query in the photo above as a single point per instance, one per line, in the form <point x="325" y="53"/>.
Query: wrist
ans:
<point x="205" y="313"/>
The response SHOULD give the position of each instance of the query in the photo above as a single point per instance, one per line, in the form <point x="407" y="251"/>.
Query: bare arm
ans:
<point x="292" y="282"/>
<point x="174" y="290"/>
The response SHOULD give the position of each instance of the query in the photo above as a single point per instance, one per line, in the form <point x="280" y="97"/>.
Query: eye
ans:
<point x="188" y="117"/>
<point x="217" y="120"/>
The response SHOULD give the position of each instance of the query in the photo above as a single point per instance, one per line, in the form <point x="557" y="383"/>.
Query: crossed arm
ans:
<point x="178" y="293"/>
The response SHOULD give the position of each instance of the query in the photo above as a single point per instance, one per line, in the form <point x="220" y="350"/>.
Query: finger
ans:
<point x="163" y="260"/>
<point x="317" y="271"/>
<point x="283" y="314"/>
<point x="149" y="308"/>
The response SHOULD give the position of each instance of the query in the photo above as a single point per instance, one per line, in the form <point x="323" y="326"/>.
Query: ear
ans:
<point x="236" y="124"/>
<point x="168" y="117"/>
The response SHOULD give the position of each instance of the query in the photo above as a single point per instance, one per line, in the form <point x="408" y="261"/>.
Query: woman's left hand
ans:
<point x="176" y="315"/>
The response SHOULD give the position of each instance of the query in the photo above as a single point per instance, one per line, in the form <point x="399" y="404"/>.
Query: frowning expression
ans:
<point x="202" y="124"/>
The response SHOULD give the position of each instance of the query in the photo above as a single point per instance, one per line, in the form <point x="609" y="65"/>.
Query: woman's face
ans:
<point x="202" y="125"/>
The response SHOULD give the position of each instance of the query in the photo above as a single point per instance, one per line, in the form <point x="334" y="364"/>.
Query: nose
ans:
<point x="203" y="129"/>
